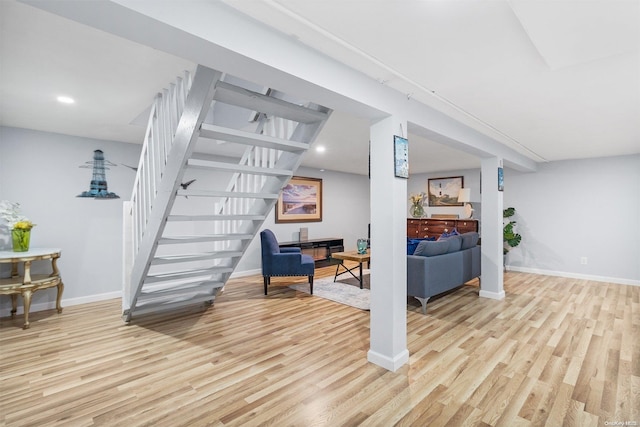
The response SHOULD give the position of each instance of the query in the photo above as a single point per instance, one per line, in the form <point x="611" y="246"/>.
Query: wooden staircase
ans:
<point x="239" y="148"/>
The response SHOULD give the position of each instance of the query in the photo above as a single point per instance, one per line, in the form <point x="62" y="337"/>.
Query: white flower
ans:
<point x="10" y="212"/>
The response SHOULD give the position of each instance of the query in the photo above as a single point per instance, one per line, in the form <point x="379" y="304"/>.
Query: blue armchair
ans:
<point x="283" y="262"/>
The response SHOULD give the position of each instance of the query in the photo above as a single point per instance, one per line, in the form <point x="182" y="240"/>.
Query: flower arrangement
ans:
<point x="417" y="200"/>
<point x="19" y="224"/>
<point x="10" y="212"/>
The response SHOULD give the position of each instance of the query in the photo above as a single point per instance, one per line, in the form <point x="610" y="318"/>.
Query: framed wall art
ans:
<point x="500" y="179"/>
<point x="300" y="201"/>
<point x="444" y="191"/>
<point x="401" y="156"/>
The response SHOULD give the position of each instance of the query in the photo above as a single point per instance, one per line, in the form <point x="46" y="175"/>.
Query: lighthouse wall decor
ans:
<point x="98" y="186"/>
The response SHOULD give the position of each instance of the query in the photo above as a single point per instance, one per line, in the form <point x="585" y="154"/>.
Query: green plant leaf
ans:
<point x="509" y="236"/>
<point x="509" y="212"/>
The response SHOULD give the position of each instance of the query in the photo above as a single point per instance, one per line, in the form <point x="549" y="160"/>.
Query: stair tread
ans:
<point x="242" y="137"/>
<point x="185" y="287"/>
<point x="234" y="95"/>
<point x="230" y="194"/>
<point x="151" y="307"/>
<point x="235" y="167"/>
<point x="198" y="271"/>
<point x="197" y="256"/>
<point x="228" y="236"/>
<point x="215" y="217"/>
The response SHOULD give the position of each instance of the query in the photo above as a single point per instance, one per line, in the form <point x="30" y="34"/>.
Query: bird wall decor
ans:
<point x="184" y="185"/>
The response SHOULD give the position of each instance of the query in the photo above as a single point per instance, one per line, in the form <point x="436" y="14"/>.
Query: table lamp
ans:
<point x="464" y="196"/>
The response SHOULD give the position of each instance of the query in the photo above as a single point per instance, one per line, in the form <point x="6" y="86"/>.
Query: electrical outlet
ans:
<point x="583" y="260"/>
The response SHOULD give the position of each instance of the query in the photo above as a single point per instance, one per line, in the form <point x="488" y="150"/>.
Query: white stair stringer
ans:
<point x="175" y="253"/>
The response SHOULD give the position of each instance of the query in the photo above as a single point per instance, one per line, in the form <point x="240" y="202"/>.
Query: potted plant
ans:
<point x="510" y="238"/>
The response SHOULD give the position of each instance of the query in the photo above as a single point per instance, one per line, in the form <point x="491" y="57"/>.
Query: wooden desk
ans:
<point x="26" y="284"/>
<point x="351" y="256"/>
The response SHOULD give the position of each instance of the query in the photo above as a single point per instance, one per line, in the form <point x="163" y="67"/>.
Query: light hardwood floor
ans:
<point x="556" y="352"/>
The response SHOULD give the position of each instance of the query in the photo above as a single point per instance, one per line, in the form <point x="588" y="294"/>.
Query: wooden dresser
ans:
<point x="431" y="227"/>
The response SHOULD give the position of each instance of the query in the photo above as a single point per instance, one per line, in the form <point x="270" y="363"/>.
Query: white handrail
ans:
<point x="165" y="113"/>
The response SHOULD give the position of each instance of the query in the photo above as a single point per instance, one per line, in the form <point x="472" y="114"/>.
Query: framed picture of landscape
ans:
<point x="300" y="201"/>
<point x="444" y="191"/>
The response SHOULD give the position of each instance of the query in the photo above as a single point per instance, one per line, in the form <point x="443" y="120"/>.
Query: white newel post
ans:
<point x="492" y="279"/>
<point x="388" y="335"/>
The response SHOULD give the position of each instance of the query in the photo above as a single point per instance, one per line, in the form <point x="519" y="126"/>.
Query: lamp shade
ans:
<point x="464" y="195"/>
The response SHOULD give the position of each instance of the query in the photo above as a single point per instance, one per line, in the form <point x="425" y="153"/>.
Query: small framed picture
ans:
<point x="401" y="156"/>
<point x="500" y="179"/>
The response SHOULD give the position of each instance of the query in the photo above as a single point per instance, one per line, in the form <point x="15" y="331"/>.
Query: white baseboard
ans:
<point x="574" y="275"/>
<point x="492" y="295"/>
<point x="50" y="305"/>
<point x="389" y="363"/>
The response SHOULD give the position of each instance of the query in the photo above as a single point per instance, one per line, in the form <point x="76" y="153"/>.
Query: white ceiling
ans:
<point x="552" y="79"/>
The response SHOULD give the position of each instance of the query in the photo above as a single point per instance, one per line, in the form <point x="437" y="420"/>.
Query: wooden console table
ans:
<point x="26" y="284"/>
<point x="319" y="249"/>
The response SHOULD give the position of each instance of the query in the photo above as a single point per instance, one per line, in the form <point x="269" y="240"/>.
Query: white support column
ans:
<point x="492" y="279"/>
<point x="388" y="334"/>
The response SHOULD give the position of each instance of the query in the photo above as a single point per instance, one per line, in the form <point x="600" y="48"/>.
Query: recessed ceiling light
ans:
<point x="65" y="100"/>
<point x="320" y="149"/>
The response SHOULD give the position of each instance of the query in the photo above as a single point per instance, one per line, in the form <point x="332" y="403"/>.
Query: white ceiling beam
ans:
<point x="217" y="36"/>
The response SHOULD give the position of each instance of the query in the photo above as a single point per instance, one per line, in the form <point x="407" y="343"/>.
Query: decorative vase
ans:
<point x="362" y="246"/>
<point x="417" y="211"/>
<point x="20" y="239"/>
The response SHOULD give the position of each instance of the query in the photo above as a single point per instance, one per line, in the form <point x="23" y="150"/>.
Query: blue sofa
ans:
<point x="439" y="266"/>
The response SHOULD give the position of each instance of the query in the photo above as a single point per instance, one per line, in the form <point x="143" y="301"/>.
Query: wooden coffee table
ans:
<point x="351" y="256"/>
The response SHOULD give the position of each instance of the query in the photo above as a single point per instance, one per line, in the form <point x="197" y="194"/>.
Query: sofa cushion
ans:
<point x="412" y="244"/>
<point x="429" y="248"/>
<point x="455" y="243"/>
<point x="469" y="240"/>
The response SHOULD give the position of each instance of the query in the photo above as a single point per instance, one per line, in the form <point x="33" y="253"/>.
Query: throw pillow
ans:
<point x="412" y="244"/>
<point x="469" y="240"/>
<point x="444" y="236"/>
<point x="429" y="248"/>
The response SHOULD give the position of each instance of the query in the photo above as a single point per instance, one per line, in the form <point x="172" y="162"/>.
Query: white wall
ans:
<point x="418" y="183"/>
<point x="567" y="211"/>
<point x="345" y="215"/>
<point x="41" y="171"/>
<point x="578" y="208"/>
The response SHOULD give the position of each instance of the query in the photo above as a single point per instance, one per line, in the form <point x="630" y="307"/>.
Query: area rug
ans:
<point x="344" y="293"/>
